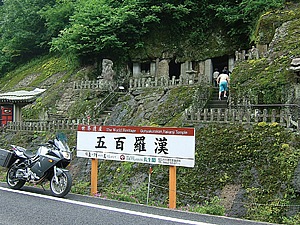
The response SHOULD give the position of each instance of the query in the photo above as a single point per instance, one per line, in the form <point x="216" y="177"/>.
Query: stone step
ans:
<point x="214" y="101"/>
<point x="217" y="104"/>
<point x="107" y="112"/>
<point x="103" y="116"/>
<point x="216" y="98"/>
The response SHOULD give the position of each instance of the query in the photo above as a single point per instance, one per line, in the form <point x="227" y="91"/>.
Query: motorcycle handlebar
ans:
<point x="51" y="142"/>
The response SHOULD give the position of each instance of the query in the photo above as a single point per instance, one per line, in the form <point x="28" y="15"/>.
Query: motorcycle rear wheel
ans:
<point x="63" y="186"/>
<point x="11" y="179"/>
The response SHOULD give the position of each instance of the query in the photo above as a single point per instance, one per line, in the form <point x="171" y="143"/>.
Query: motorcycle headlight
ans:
<point x="66" y="155"/>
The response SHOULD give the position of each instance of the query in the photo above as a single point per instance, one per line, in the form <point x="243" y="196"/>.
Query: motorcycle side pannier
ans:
<point x="6" y="158"/>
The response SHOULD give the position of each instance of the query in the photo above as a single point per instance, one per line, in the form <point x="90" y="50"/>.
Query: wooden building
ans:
<point x="11" y="104"/>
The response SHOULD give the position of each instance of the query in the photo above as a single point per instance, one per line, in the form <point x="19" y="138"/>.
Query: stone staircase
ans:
<point x="214" y="102"/>
<point x="213" y="111"/>
<point x="108" y="103"/>
<point x="68" y="98"/>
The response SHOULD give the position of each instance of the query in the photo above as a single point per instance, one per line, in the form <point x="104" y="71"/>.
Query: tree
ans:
<point x="99" y="28"/>
<point x="102" y="27"/>
<point x="57" y="16"/>
<point x="111" y="28"/>
<point x="241" y="16"/>
<point x="22" y="29"/>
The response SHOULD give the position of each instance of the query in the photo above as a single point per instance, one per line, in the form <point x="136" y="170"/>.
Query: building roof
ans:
<point x="21" y="96"/>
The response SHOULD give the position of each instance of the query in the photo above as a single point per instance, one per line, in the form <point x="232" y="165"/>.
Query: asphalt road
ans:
<point x="34" y="206"/>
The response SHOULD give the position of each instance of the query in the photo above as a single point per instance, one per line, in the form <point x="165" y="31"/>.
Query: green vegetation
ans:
<point x="81" y="187"/>
<point x="213" y="207"/>
<point x="268" y="79"/>
<point x="36" y="72"/>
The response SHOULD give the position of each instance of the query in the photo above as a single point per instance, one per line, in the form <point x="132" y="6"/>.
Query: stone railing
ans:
<point x="140" y="82"/>
<point x="253" y="53"/>
<point x="92" y="84"/>
<point x="280" y="116"/>
<point x="60" y="124"/>
<point x="144" y="82"/>
<point x="244" y="55"/>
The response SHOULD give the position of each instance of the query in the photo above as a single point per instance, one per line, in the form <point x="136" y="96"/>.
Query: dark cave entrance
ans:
<point x="220" y="62"/>
<point x="145" y="67"/>
<point x="174" y="69"/>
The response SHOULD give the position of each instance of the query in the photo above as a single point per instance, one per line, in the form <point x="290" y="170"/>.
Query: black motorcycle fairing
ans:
<point x="43" y="164"/>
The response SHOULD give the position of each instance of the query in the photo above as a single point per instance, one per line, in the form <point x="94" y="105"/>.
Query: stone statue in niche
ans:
<point x="107" y="70"/>
<point x="108" y="74"/>
<point x="253" y="53"/>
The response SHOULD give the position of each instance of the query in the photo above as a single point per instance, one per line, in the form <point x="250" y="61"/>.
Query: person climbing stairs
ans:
<point x="214" y="101"/>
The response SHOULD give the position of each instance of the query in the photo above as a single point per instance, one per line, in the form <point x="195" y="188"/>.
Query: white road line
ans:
<point x="107" y="208"/>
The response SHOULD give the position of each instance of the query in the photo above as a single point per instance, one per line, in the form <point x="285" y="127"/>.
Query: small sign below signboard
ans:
<point x="153" y="145"/>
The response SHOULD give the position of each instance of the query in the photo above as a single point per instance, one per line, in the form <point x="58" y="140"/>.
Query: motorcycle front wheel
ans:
<point x="11" y="179"/>
<point x="62" y="186"/>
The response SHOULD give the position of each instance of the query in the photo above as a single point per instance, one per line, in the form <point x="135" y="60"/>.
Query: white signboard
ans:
<point x="153" y="145"/>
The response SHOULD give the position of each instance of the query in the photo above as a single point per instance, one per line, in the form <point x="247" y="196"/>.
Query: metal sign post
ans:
<point x="149" y="181"/>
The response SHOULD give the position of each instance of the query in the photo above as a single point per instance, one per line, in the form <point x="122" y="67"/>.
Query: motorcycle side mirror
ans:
<point x="73" y="149"/>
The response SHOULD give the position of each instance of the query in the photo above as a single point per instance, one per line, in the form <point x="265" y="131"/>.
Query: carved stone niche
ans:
<point x="295" y="65"/>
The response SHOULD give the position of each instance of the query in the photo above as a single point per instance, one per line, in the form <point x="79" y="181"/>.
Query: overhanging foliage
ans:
<point x="106" y="28"/>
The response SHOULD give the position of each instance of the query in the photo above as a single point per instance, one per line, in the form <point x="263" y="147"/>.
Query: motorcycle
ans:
<point x="48" y="164"/>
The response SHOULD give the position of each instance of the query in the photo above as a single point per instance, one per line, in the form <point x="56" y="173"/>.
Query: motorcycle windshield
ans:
<point x="62" y="145"/>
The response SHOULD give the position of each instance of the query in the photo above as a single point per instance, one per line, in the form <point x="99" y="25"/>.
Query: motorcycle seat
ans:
<point x="29" y="154"/>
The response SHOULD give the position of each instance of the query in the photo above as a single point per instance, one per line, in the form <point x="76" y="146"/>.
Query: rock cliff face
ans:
<point x="269" y="79"/>
<point x="154" y="106"/>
